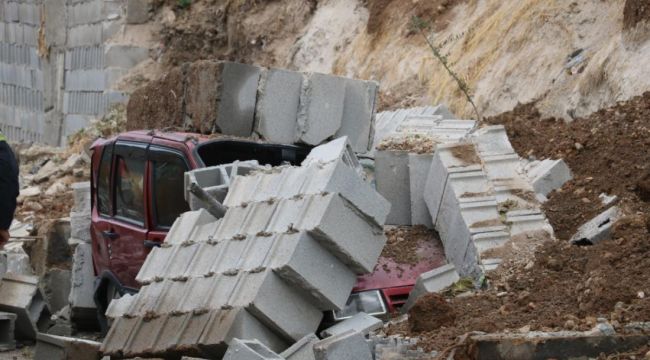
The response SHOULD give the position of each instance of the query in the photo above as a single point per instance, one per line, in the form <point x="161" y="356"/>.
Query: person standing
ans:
<point x="8" y="188"/>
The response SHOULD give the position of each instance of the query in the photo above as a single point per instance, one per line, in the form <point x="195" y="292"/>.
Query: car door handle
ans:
<point x="110" y="235"/>
<point x="150" y="244"/>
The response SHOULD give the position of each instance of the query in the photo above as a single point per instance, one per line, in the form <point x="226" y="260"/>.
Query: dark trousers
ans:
<point x="8" y="185"/>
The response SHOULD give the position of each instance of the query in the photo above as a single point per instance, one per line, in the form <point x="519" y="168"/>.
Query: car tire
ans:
<point x="108" y="292"/>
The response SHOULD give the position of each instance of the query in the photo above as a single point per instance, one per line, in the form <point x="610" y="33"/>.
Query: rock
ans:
<point x="74" y="161"/>
<point x="29" y="192"/>
<point x="55" y="188"/>
<point x="44" y="173"/>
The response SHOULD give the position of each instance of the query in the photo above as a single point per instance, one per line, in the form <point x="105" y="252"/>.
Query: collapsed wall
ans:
<point x="57" y="66"/>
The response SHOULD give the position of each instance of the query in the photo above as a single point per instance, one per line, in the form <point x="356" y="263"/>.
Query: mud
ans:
<point x="403" y="243"/>
<point x="430" y="312"/>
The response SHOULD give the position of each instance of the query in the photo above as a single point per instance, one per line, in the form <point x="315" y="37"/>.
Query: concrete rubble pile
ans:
<point x="276" y="105"/>
<point x="290" y="246"/>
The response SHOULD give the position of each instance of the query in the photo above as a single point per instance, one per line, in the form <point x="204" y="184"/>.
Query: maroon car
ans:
<point x="137" y="194"/>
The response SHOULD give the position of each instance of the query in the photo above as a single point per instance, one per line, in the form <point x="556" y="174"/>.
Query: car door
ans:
<point x="168" y="167"/>
<point x="128" y="228"/>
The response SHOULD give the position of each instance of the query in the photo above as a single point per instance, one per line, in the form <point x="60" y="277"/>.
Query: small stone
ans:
<point x="502" y="294"/>
<point x="570" y="324"/>
<point x="585" y="200"/>
<point x="578" y="146"/>
<point x="529" y="265"/>
<point x="640" y="295"/>
<point x="524" y="329"/>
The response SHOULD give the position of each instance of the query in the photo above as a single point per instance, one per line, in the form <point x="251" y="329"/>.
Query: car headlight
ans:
<point x="369" y="302"/>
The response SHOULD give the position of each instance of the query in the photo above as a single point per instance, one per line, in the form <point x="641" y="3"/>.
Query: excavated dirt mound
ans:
<point x="431" y="312"/>
<point x="567" y="287"/>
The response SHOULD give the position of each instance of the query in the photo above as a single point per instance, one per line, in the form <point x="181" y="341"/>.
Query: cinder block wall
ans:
<point x="55" y="67"/>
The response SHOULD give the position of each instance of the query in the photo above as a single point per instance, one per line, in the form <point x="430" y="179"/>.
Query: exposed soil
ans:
<point x="634" y="12"/>
<point x="430" y="312"/>
<point x="466" y="153"/>
<point x="436" y="13"/>
<point x="418" y="144"/>
<point x="403" y="242"/>
<point x="567" y="287"/>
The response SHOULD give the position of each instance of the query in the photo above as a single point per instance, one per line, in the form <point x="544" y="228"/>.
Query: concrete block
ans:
<point x="56" y="288"/>
<point x="29" y="14"/>
<point x="65" y="348"/>
<point x="492" y="140"/>
<point x="84" y="103"/>
<point x="85" y="80"/>
<point x="55" y="15"/>
<point x="289" y="182"/>
<point x="81" y="195"/>
<point x="20" y="295"/>
<point x="392" y="177"/>
<point x="276" y="113"/>
<point x="302" y="349"/>
<point x="80" y="225"/>
<point x="82" y="289"/>
<point x="597" y="229"/>
<point x="419" y="165"/>
<point x="7" y="326"/>
<point x="346" y="346"/>
<point x="216" y="180"/>
<point x="527" y="221"/>
<point x="118" y="307"/>
<point x="124" y="56"/>
<point x="491" y="239"/>
<point x="88" y="12"/>
<point x="15" y="262"/>
<point x="137" y="11"/>
<point x="553" y="345"/>
<point x="221" y="97"/>
<point x="84" y="58"/>
<point x="184" y="225"/>
<point x="85" y="35"/>
<point x="249" y="350"/>
<point x="549" y="175"/>
<point x="358" y="118"/>
<point x="332" y="151"/>
<point x="361" y="323"/>
<point x="432" y="281"/>
<point x="329" y="218"/>
<point x="321" y="108"/>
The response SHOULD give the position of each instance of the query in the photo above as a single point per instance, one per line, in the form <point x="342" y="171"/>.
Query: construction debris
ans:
<point x="304" y="237"/>
<point x="598" y="228"/>
<point x="20" y="295"/>
<point x="7" y="326"/>
<point x="361" y="323"/>
<point x="65" y="348"/>
<point x="345" y="346"/>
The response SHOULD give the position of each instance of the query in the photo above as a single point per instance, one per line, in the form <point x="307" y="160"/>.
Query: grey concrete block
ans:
<point x="85" y="80"/>
<point x="549" y="175"/>
<point x="302" y="349"/>
<point x="84" y="58"/>
<point x="80" y="226"/>
<point x="492" y="140"/>
<point x="419" y="165"/>
<point x="221" y="97"/>
<point x="124" y="56"/>
<point x="85" y="35"/>
<point x="56" y="288"/>
<point x="65" y="348"/>
<point x="55" y="13"/>
<point x="88" y="12"/>
<point x="361" y="323"/>
<point x="249" y="350"/>
<point x="278" y="99"/>
<point x="339" y="149"/>
<point x="321" y="108"/>
<point x="289" y="182"/>
<point x="346" y="346"/>
<point x="597" y="229"/>
<point x="84" y="103"/>
<point x="528" y="221"/>
<point x="185" y="224"/>
<point x="81" y="195"/>
<point x="29" y="14"/>
<point x="20" y="295"/>
<point x="118" y="307"/>
<point x="392" y="177"/>
<point x="137" y="11"/>
<point x="216" y="180"/>
<point x="7" y="326"/>
<point x="15" y="262"/>
<point x="432" y="281"/>
<point x="358" y="118"/>
<point x="82" y="287"/>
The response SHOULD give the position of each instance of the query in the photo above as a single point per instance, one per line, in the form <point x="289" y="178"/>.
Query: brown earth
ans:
<point x="436" y="13"/>
<point x="418" y="144"/>
<point x="402" y="243"/>
<point x="634" y="12"/>
<point x="568" y="287"/>
<point x="430" y="312"/>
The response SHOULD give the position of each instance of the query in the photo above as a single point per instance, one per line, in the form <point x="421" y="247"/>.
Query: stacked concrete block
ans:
<point x="266" y="270"/>
<point x="359" y="113"/>
<point x="65" y="348"/>
<point x="302" y="349"/>
<point x="361" y="323"/>
<point x="55" y="284"/>
<point x="392" y="177"/>
<point x="419" y="165"/>
<point x="249" y="350"/>
<point x="221" y="97"/>
<point x="20" y="295"/>
<point x="321" y="108"/>
<point x="215" y="180"/>
<point x="431" y="282"/>
<point x="7" y="326"/>
<point x="332" y="151"/>
<point x="346" y="346"/>
<point x="82" y="304"/>
<point x="597" y="229"/>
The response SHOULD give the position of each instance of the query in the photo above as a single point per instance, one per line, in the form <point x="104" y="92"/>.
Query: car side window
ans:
<point x="167" y="184"/>
<point x="129" y="188"/>
<point x="103" y="182"/>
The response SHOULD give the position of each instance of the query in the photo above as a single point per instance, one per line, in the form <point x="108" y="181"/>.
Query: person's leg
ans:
<point x="9" y="193"/>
